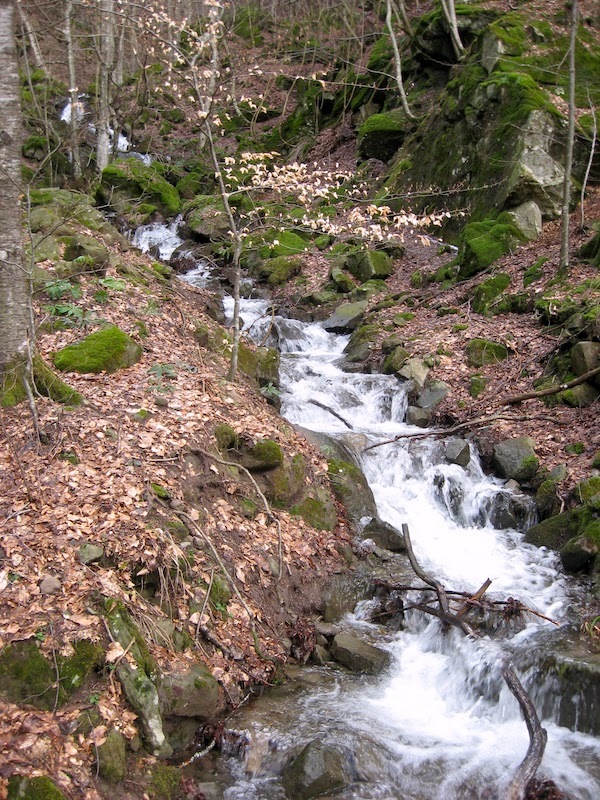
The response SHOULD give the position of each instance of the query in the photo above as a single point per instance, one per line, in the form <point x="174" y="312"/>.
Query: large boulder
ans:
<point x="385" y="535"/>
<point x="194" y="693"/>
<point x="381" y="135"/>
<point x="352" y="489"/>
<point x="555" y="532"/>
<point x="368" y="264"/>
<point x="515" y="458"/>
<point x="585" y="356"/>
<point x="127" y="182"/>
<point x="527" y="218"/>
<point x="432" y="394"/>
<point x="342" y="593"/>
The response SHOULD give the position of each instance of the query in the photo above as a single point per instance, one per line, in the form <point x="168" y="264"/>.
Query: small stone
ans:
<point x="457" y="451"/>
<point x="50" y="584"/>
<point x="420" y="417"/>
<point x="161" y="401"/>
<point x="89" y="553"/>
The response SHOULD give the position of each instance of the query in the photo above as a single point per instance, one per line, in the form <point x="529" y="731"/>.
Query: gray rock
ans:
<point x="385" y="535"/>
<point x="585" y="356"/>
<point x="367" y="264"/>
<point x="579" y="552"/>
<point x="342" y="594"/>
<point x="556" y="531"/>
<point x="194" y="693"/>
<point x="112" y="757"/>
<point x="352" y="489"/>
<point x="142" y="696"/>
<point x="89" y="553"/>
<point x="316" y="771"/>
<point x="516" y="458"/>
<point x="536" y="175"/>
<point x="50" y="584"/>
<point x="527" y="218"/>
<point x="421" y="417"/>
<point x="320" y="655"/>
<point x="433" y="394"/>
<point x="491" y="51"/>
<point x="358" y="655"/>
<point x="457" y="451"/>
<point x="509" y="510"/>
<point x="416" y="370"/>
<point x="395" y="360"/>
<point x="346" y="317"/>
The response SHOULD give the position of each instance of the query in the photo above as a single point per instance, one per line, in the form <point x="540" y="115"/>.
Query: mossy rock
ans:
<point x="206" y="217"/>
<point x="515" y="458"/>
<point x="367" y="264"/>
<point x="477" y="385"/>
<point x="395" y="361"/>
<point x="580" y="396"/>
<point x="82" y="247"/>
<point x="556" y="531"/>
<point x="482" y="243"/>
<point x="343" y="282"/>
<point x="587" y="489"/>
<point x="579" y="553"/>
<point x="261" y="364"/>
<point x="165" y="782"/>
<point x="547" y="499"/>
<point x="317" y="510"/>
<point x="194" y="693"/>
<point x="351" y="488"/>
<point x="127" y="181"/>
<point x="106" y="350"/>
<point x="483" y="351"/>
<point x="392" y="342"/>
<point x="284" y="484"/>
<point x="226" y="436"/>
<point x="381" y="135"/>
<point x="487" y="292"/>
<point x="112" y="757"/>
<point x="26" y="676"/>
<point x="40" y="788"/>
<point x="263" y="455"/>
<point x="279" y="270"/>
<point x="360" y="346"/>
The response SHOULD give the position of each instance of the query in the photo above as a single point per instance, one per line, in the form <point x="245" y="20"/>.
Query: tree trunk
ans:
<point x="73" y="93"/>
<point x="564" y="241"/>
<point x="450" y="13"/>
<point x="106" y="48"/>
<point x="14" y="283"/>
<point x="397" y="60"/>
<point x="29" y="33"/>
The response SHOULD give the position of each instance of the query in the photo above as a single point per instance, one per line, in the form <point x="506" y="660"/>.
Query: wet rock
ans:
<point x="346" y="317"/>
<point x="351" y="488"/>
<point x="457" y="451"/>
<point x="320" y="655"/>
<point x="316" y="771"/>
<point x="547" y="499"/>
<point x="575" y="676"/>
<point x="358" y="655"/>
<point x="581" y="551"/>
<point x="343" y="593"/>
<point x="50" y="584"/>
<point x="395" y="360"/>
<point x="421" y="417"/>
<point x="433" y="394"/>
<point x="509" y="510"/>
<point x="194" y="693"/>
<point x="516" y="458"/>
<point x="385" y="535"/>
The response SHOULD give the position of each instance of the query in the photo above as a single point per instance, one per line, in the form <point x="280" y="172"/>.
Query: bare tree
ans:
<point x="564" y="241"/>
<point x="449" y="9"/>
<point x="106" y="51"/>
<point x="14" y="289"/>
<point x="397" y="60"/>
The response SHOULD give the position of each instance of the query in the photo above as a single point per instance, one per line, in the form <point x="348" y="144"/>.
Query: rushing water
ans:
<point x="440" y="724"/>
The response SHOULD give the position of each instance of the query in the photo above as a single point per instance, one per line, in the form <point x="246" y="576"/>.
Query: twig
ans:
<point x="537" y="737"/>
<point x="477" y="596"/>
<point x="330" y="411"/>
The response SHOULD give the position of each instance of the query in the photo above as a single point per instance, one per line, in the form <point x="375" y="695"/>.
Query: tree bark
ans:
<point x="14" y="282"/>
<point x="450" y="13"/>
<point x="397" y="60"/>
<point x="564" y="241"/>
<point x="73" y="92"/>
<point x="106" y="51"/>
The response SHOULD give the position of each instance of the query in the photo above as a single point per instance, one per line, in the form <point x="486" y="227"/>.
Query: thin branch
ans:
<point x="518" y="398"/>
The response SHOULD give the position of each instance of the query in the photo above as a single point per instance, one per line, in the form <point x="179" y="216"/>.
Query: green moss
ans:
<point x="482" y="243"/>
<point x="107" y="350"/>
<point x="279" y="270"/>
<point x="483" y="351"/>
<point x="267" y="453"/>
<point x="477" y="385"/>
<point x="26" y="676"/>
<point x="129" y="180"/>
<point x="534" y="272"/>
<point x="112" y="757"/>
<point x="596" y="461"/>
<point x="342" y="474"/>
<point x="40" y="788"/>
<point x="165" y="782"/>
<point x="125" y="631"/>
<point x="317" y="511"/>
<point x="575" y="448"/>
<point x="220" y="593"/>
<point x="486" y="292"/>
<point x="585" y="490"/>
<point x="160" y="491"/>
<point x="381" y="55"/>
<point x="381" y="135"/>
<point x="47" y="383"/>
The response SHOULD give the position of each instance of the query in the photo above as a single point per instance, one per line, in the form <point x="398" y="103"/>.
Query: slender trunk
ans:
<point x="450" y="13"/>
<point x="104" y="82"/>
<point x="14" y="284"/>
<point x="404" y="18"/>
<point x="73" y="92"/>
<point x="38" y="58"/>
<point x="397" y="60"/>
<point x="588" y="169"/>
<point x="564" y="243"/>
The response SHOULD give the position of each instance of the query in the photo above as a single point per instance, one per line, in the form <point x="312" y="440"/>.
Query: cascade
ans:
<point x="440" y="723"/>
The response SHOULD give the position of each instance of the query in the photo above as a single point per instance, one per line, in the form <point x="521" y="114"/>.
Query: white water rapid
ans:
<point x="440" y="724"/>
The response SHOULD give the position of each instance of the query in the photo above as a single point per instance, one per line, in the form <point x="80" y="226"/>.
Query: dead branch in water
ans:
<point x="537" y="735"/>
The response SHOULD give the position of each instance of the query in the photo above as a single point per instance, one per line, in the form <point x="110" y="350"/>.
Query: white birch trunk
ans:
<point x="107" y="47"/>
<point x="14" y="284"/>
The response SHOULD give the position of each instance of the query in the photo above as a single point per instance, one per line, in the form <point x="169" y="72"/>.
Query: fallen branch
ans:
<point x="537" y="737"/>
<point x="518" y="398"/>
<point x="330" y="411"/>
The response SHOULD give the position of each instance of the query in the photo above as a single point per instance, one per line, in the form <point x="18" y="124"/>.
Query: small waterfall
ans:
<point x="441" y="724"/>
<point x="163" y="239"/>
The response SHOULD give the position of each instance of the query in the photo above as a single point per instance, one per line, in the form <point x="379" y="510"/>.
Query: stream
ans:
<point x="440" y="723"/>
